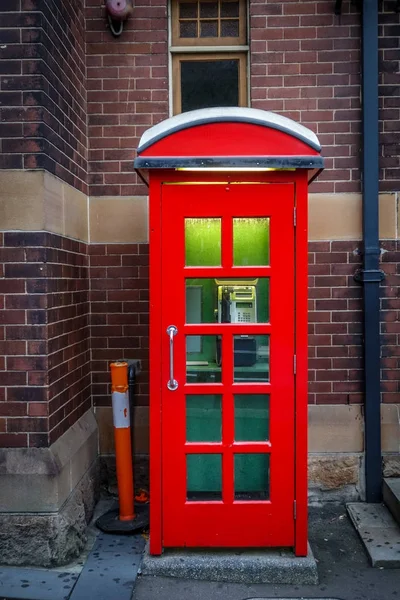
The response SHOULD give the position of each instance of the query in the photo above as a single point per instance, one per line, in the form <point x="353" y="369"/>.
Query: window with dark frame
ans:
<point x="209" y="53"/>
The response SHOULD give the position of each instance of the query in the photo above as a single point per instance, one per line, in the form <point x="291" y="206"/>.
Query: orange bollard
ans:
<point x="122" y="436"/>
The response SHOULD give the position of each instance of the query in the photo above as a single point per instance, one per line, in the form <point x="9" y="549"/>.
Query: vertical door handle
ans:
<point x="172" y="383"/>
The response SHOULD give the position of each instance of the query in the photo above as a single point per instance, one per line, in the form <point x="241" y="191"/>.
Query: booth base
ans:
<point x="236" y="566"/>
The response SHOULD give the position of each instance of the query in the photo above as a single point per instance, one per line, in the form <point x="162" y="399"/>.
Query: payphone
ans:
<point x="237" y="303"/>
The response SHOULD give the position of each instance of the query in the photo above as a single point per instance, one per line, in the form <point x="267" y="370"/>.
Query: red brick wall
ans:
<point x="389" y="66"/>
<point x="119" y="319"/>
<point x="46" y="363"/>
<point x="68" y="334"/>
<point x="305" y="64"/>
<point x="43" y="88"/>
<point x="390" y="322"/>
<point x="335" y="324"/>
<point x="119" y="294"/>
<point x="44" y="347"/>
<point x="336" y="373"/>
<point x="127" y="92"/>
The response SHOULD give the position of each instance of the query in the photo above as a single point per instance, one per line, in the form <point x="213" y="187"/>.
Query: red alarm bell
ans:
<point x="118" y="11"/>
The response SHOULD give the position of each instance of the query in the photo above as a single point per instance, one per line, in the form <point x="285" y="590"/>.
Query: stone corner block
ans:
<point x="41" y="479"/>
<point x="335" y="477"/>
<point x="54" y="538"/>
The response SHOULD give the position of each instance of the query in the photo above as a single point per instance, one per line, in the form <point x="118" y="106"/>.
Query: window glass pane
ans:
<point x="203" y="362"/>
<point x="209" y="29"/>
<point x="251" y="476"/>
<point x="229" y="9"/>
<point x="204" y="477"/>
<point x="202" y="242"/>
<point x="251" y="358"/>
<point x="208" y="10"/>
<point x="203" y="418"/>
<point x="251" y="417"/>
<point x="208" y="83"/>
<point x="188" y="29"/>
<point x="251" y="241"/>
<point x="228" y="301"/>
<point x="188" y="10"/>
<point x="230" y="28"/>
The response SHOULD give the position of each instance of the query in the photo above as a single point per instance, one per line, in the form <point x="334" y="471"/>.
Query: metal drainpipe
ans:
<point x="370" y="275"/>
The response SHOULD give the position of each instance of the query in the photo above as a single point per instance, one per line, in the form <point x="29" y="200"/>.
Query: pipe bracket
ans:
<point x="369" y="275"/>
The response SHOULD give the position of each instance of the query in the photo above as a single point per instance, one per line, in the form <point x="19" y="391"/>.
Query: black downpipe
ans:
<point x="370" y="275"/>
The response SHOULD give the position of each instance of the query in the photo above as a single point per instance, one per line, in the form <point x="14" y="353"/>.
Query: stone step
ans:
<point x="379" y="533"/>
<point x="391" y="496"/>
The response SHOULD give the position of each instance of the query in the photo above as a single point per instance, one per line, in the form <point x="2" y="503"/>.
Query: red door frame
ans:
<point x="299" y="179"/>
<point x="213" y="523"/>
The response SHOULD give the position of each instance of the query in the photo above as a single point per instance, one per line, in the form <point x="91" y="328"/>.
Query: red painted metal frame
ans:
<point x="155" y="362"/>
<point x="267" y="523"/>
<point x="158" y="336"/>
<point x="301" y="341"/>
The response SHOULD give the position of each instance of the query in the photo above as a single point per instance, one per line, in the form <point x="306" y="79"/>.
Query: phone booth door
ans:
<point x="227" y="380"/>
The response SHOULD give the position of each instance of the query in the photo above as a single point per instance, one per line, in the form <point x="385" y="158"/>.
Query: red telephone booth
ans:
<point x="228" y="328"/>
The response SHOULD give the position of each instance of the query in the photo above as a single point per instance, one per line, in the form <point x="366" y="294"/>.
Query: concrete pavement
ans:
<point x="343" y="567"/>
<point x="109" y="569"/>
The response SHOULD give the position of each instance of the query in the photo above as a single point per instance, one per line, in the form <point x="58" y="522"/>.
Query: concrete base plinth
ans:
<point x="236" y="566"/>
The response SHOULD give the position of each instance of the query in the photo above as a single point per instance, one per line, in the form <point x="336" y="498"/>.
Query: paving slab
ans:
<point x="111" y="568"/>
<point x="240" y="566"/>
<point x="379" y="533"/>
<point x="35" y="584"/>
<point x="106" y="570"/>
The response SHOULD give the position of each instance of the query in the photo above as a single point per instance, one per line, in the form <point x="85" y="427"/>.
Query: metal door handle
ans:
<point x="172" y="383"/>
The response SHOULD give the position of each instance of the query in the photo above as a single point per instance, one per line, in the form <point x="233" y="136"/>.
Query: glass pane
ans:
<point x="208" y="83"/>
<point x="251" y="242"/>
<point x="230" y="28"/>
<point x="251" y="417"/>
<point x="227" y="300"/>
<point x="188" y="10"/>
<point x="229" y="9"/>
<point x="251" y="476"/>
<point x="208" y="10"/>
<point x="203" y="418"/>
<point x="203" y="362"/>
<point x="188" y="29"/>
<point x="204" y="477"/>
<point x="209" y="29"/>
<point x="202" y="242"/>
<point x="251" y="358"/>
